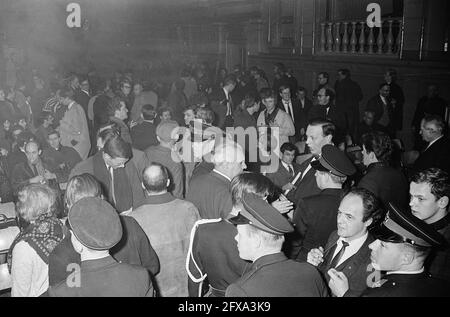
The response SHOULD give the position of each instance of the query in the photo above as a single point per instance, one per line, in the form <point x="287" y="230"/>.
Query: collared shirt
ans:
<point x="216" y="171"/>
<point x="287" y="166"/>
<point x="405" y="272"/>
<point x="70" y="105"/>
<point x="383" y="99"/>
<point x="288" y="108"/>
<point x="352" y="249"/>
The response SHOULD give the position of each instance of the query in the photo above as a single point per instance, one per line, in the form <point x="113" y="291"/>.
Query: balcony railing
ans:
<point x="357" y="38"/>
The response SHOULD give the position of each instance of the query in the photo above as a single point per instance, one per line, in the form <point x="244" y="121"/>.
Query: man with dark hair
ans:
<point x="401" y="248"/>
<point x="437" y="152"/>
<point x="167" y="221"/>
<point x="117" y="172"/>
<point x="143" y="134"/>
<point x="245" y="115"/>
<point x="348" y="96"/>
<point x="118" y="113"/>
<point x="45" y="126"/>
<point x="222" y="103"/>
<point x="323" y="82"/>
<point x="430" y="194"/>
<point x="383" y="180"/>
<point x="347" y="250"/>
<point x="287" y="169"/>
<point x="73" y="127"/>
<point x="383" y="108"/>
<point x="367" y="125"/>
<point x="60" y="159"/>
<point x="292" y="107"/>
<point x="318" y="133"/>
<point x="280" y="79"/>
<point x="327" y="110"/>
<point x="397" y="98"/>
<point x="305" y="104"/>
<point x="315" y="216"/>
<point x="142" y="98"/>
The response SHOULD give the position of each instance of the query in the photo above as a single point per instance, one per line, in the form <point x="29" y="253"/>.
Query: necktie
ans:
<point x="291" y="171"/>
<point x="35" y="171"/>
<point x="338" y="256"/>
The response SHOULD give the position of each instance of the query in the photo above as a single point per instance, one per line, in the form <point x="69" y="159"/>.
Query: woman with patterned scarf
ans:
<point x="29" y="253"/>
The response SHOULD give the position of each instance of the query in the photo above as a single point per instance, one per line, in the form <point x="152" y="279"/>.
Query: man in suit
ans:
<point x="260" y="236"/>
<point x="383" y="108"/>
<point x="222" y="103"/>
<point x="315" y="216"/>
<point x="305" y="104"/>
<point x="347" y="250"/>
<point x="143" y="135"/>
<point x="397" y="98"/>
<point x="292" y="107"/>
<point x="287" y="169"/>
<point x="401" y="248"/>
<point x="430" y="194"/>
<point x="210" y="193"/>
<point x="326" y="110"/>
<point x="319" y="133"/>
<point x="95" y="229"/>
<point x="437" y="152"/>
<point x="348" y="96"/>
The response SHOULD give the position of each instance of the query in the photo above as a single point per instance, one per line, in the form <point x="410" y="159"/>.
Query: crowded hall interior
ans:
<point x="224" y="148"/>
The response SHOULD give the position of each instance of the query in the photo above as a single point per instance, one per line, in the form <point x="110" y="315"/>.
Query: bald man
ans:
<point x="210" y="193"/>
<point x="167" y="221"/>
<point x="34" y="170"/>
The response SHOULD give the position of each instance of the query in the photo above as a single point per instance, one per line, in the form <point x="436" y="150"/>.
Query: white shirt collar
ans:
<point x="222" y="174"/>
<point x="352" y="249"/>
<point x="406" y="272"/>
<point x="383" y="99"/>
<point x="70" y="105"/>
<point x="286" y="166"/>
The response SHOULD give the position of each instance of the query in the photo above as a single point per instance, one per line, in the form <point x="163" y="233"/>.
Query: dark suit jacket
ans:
<point x="304" y="113"/>
<point x="348" y="95"/>
<point x="355" y="268"/>
<point x="387" y="183"/>
<point x="276" y="276"/>
<point x="397" y="94"/>
<point x="307" y="186"/>
<point x="107" y="278"/>
<point x="21" y="175"/>
<point x="376" y="105"/>
<point x="211" y="194"/>
<point x="437" y="155"/>
<point x="216" y="254"/>
<point x="315" y="219"/>
<point x="281" y="177"/>
<point x="298" y="113"/>
<point x="409" y="285"/>
<point x="143" y="135"/>
<point x="218" y="102"/>
<point x="337" y="116"/>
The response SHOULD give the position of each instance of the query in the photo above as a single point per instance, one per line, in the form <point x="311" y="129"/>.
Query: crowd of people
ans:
<point x="126" y="189"/>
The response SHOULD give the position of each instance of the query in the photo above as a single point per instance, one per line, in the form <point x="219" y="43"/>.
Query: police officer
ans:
<point x="315" y="216"/>
<point x="261" y="230"/>
<point x="402" y="245"/>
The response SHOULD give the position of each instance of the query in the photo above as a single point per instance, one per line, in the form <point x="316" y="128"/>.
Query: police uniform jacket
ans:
<point x="355" y="268"/>
<point x="216" y="254"/>
<point x="315" y="219"/>
<point x="276" y="276"/>
<point x="409" y="285"/>
<point x="106" y="278"/>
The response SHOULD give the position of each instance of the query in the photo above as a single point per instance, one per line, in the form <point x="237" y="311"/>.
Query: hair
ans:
<point x="148" y="112"/>
<point x="35" y="200"/>
<point x="301" y="88"/>
<point x="206" y="114"/>
<point x="372" y="208"/>
<point x="125" y="81"/>
<point x="269" y="239"/>
<point x="288" y="147"/>
<point x="345" y="72"/>
<point x="114" y="105"/>
<point x="436" y="120"/>
<point x="81" y="186"/>
<point x="281" y="67"/>
<point x="249" y="100"/>
<point x="164" y="109"/>
<point x="66" y="93"/>
<point x="157" y="182"/>
<point x="253" y="183"/>
<point x="380" y="144"/>
<point x="116" y="147"/>
<point x="229" y="80"/>
<point x="392" y="73"/>
<point x="283" y="87"/>
<point x="53" y="131"/>
<point x="328" y="127"/>
<point x="267" y="93"/>
<point x="382" y="85"/>
<point x="324" y="74"/>
<point x="329" y="92"/>
<point x="438" y="180"/>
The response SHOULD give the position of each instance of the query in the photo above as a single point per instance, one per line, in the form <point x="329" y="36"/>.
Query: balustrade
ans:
<point x="355" y="37"/>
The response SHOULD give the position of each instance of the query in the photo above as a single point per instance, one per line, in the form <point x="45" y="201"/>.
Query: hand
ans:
<point x="288" y="186"/>
<point x="282" y="205"/>
<point x="315" y="256"/>
<point x="338" y="283"/>
<point x="36" y="180"/>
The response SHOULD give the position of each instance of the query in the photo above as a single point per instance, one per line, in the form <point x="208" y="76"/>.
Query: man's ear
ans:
<point x="372" y="156"/>
<point x="443" y="202"/>
<point x="368" y="222"/>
